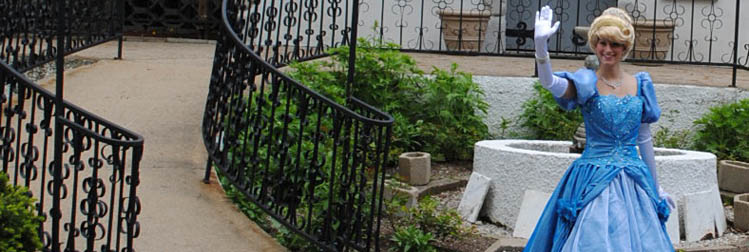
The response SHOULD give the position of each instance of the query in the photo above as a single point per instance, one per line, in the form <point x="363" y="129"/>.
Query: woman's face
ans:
<point x="609" y="52"/>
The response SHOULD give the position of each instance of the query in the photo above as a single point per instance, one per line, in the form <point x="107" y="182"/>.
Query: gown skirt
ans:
<point x="618" y="219"/>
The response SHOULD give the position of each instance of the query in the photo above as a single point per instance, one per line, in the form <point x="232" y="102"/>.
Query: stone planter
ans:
<point x="733" y="176"/>
<point x="464" y="31"/>
<point x="741" y="212"/>
<point x="415" y="167"/>
<point x="652" y="39"/>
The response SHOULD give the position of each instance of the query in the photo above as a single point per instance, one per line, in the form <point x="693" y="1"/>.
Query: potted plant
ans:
<point x="724" y="132"/>
<point x="464" y="30"/>
<point x="652" y="39"/>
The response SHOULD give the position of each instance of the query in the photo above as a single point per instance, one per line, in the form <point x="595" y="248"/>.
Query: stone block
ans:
<point x="733" y="176"/>
<point x="741" y="212"/>
<point x="533" y="205"/>
<point x="398" y="189"/>
<point x="507" y="244"/>
<point x="703" y="215"/>
<point x="473" y="197"/>
<point x="672" y="226"/>
<point x="415" y="167"/>
<point x="414" y="193"/>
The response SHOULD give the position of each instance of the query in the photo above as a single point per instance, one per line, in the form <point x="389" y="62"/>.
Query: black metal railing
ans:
<point x="704" y="32"/>
<point x="82" y="169"/>
<point x="313" y="164"/>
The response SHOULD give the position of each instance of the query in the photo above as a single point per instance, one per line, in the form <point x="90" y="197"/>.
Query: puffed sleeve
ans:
<point x="650" y="109"/>
<point x="585" y="81"/>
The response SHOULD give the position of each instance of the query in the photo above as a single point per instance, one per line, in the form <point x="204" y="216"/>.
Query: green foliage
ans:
<point x="18" y="220"/>
<point x="412" y="239"/>
<point x="412" y="224"/>
<point x="453" y="112"/>
<point x="441" y="114"/>
<point x="679" y="139"/>
<point x="441" y="224"/>
<point x="724" y="131"/>
<point x="546" y="120"/>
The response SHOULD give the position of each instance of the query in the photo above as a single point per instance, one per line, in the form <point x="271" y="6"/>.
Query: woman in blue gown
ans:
<point x="609" y="198"/>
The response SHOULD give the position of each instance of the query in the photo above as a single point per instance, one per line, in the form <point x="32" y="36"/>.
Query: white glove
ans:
<point x="555" y="84"/>
<point x="664" y="195"/>
<point x="645" y="143"/>
<point x="544" y="30"/>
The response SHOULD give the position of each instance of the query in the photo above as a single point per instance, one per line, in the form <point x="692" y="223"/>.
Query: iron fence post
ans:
<point x="121" y="31"/>
<point x="57" y="174"/>
<point x="352" y="50"/>
<point x="736" y="44"/>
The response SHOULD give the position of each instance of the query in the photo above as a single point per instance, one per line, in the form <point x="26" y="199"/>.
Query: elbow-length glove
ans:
<point x="543" y="30"/>
<point x="645" y="143"/>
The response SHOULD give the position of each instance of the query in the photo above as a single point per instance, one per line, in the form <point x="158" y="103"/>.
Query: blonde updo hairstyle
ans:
<point x="614" y="25"/>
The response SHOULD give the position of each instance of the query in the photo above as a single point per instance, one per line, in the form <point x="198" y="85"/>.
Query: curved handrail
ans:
<point x="226" y="27"/>
<point x="134" y="139"/>
<point x="314" y="165"/>
<point x="75" y="158"/>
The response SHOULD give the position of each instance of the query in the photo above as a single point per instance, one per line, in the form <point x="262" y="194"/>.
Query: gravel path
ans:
<point x="48" y="69"/>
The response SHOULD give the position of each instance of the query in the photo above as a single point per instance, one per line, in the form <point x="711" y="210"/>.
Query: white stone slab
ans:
<point x="530" y="210"/>
<point x="703" y="215"/>
<point x="672" y="226"/>
<point x="473" y="197"/>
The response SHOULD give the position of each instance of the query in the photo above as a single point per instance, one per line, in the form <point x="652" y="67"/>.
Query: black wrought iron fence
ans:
<point x="686" y="31"/>
<point x="82" y="169"/>
<point x="313" y="164"/>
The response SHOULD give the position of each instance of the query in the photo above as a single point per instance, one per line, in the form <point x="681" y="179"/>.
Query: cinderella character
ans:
<point x="608" y="199"/>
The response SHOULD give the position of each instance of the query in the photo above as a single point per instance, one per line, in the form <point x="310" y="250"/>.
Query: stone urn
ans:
<point x="733" y="176"/>
<point x="578" y="140"/>
<point x="652" y="39"/>
<point x="415" y="167"/>
<point x="741" y="212"/>
<point x="464" y="31"/>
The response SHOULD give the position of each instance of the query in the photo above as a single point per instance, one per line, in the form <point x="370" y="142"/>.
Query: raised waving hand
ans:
<point x="544" y="30"/>
<point x="556" y="85"/>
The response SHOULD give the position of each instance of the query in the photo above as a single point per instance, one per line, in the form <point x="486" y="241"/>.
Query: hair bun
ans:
<point x="618" y="13"/>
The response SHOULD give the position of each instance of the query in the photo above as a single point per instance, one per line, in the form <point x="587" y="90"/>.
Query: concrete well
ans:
<point x="516" y="166"/>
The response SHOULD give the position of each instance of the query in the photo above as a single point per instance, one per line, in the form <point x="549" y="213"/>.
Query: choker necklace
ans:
<point x="612" y="84"/>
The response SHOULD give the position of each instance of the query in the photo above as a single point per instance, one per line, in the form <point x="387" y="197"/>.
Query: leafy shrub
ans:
<point x="545" y="120"/>
<point x="412" y="239"/>
<point x="411" y="224"/>
<point x="724" y="131"/>
<point x="441" y="114"/>
<point x="440" y="223"/>
<point x="678" y="139"/>
<point x="18" y="220"/>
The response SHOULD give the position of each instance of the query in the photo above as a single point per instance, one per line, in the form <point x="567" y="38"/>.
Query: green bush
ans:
<point x="412" y="239"/>
<point x="724" y="131"/>
<point x="676" y="139"/>
<point x="545" y="120"/>
<point x="441" y="114"/>
<point x="18" y="220"/>
<point x="411" y="225"/>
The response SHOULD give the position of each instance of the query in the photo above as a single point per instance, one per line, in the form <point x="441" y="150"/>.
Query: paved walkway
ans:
<point x="158" y="90"/>
<point x="523" y="67"/>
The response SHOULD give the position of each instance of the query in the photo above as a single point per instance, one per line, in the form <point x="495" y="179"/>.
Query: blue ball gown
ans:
<point x="606" y="200"/>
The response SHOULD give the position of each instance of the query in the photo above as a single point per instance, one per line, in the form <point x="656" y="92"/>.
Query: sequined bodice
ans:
<point x="611" y="126"/>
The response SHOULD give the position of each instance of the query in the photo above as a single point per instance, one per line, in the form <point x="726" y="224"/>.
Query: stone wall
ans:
<point x="681" y="105"/>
